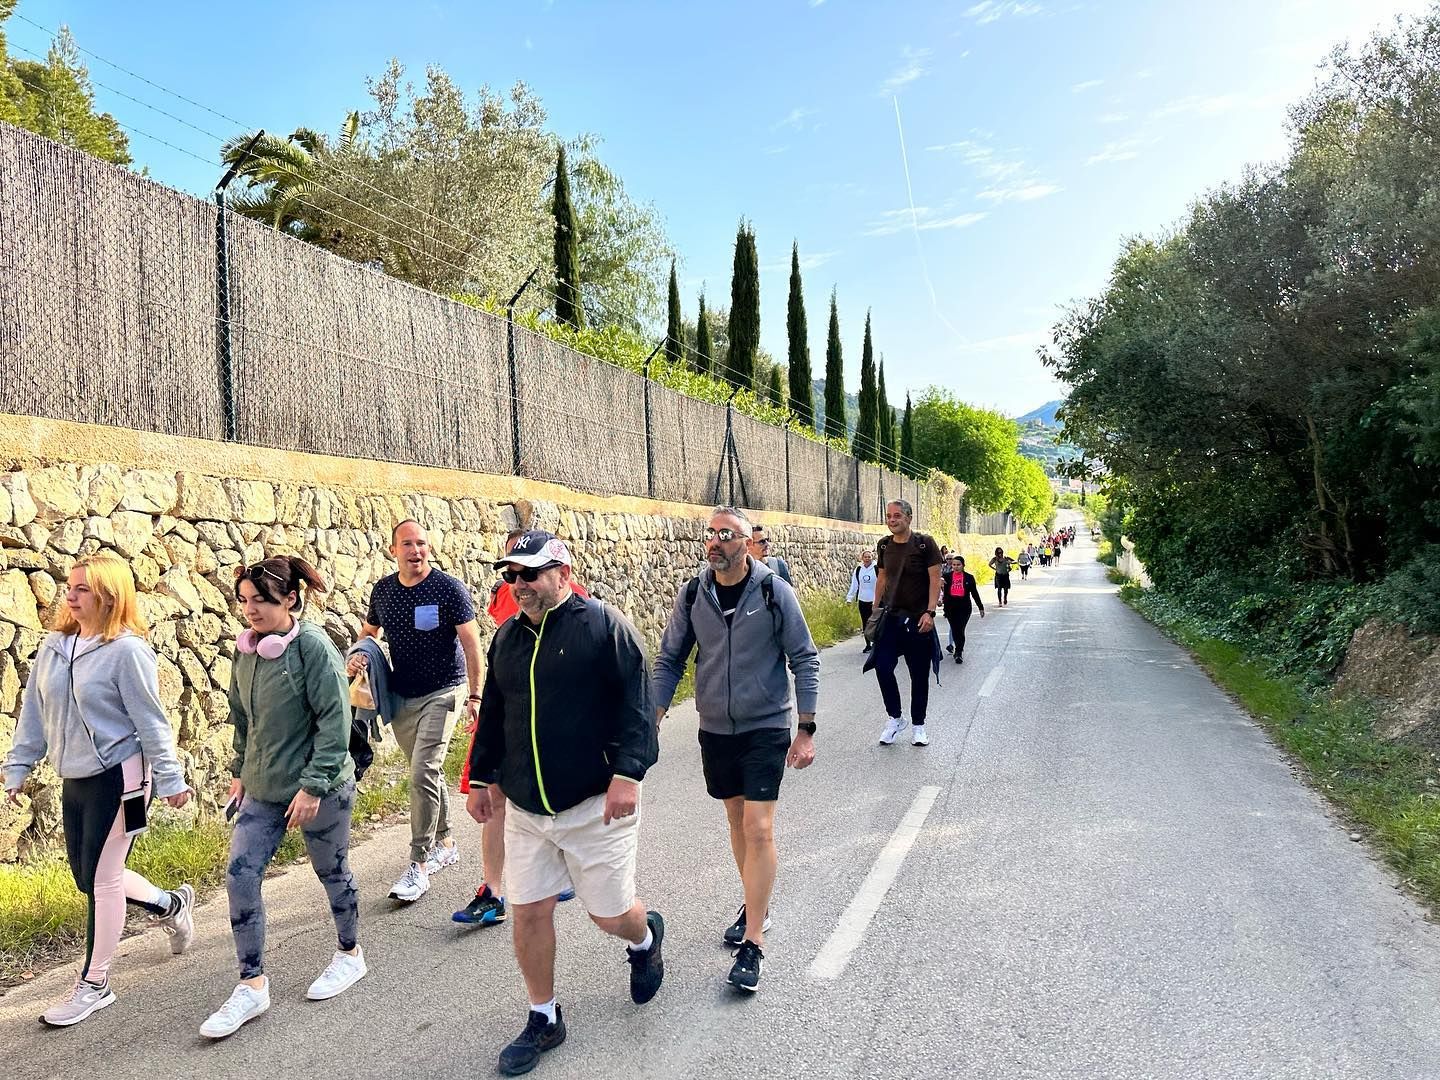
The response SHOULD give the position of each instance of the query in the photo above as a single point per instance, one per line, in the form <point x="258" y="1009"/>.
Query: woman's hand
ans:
<point x="303" y="809"/>
<point x="180" y="798"/>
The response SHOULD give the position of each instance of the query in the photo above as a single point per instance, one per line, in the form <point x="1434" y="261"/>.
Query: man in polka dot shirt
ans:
<point x="429" y="623"/>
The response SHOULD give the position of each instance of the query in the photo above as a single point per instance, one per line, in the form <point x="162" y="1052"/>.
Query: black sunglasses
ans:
<point x="530" y="573"/>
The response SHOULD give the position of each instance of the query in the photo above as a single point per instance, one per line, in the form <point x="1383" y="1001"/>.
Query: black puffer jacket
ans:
<point x="567" y="707"/>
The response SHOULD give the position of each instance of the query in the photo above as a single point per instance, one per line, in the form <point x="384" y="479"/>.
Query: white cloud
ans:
<point x="795" y="118"/>
<point x="925" y="218"/>
<point x="1112" y="118"/>
<point x="1121" y="150"/>
<point x="1022" y="192"/>
<point x="812" y="261"/>
<point x="913" y="68"/>
<point x="816" y="3"/>
<point x="771" y="151"/>
<point x="989" y="11"/>
<point x="1088" y="84"/>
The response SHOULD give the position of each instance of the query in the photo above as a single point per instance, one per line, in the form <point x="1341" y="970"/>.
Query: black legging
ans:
<point x="918" y="650"/>
<point x="957" y="615"/>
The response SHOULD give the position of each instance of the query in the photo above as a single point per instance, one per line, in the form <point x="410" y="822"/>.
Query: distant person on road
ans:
<point x="567" y="730"/>
<point x="1024" y="562"/>
<point x="862" y="588"/>
<point x="487" y="906"/>
<point x="760" y="548"/>
<point x="292" y="770"/>
<point x="429" y="621"/>
<point x="909" y="589"/>
<point x="746" y="625"/>
<point x="1055" y="550"/>
<point x="92" y="703"/>
<point x="1001" y="564"/>
<point x="960" y="592"/>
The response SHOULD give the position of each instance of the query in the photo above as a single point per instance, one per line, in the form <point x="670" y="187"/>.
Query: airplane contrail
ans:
<point x="915" y="227"/>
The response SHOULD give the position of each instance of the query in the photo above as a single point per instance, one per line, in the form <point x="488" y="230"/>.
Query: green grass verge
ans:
<point x="42" y="916"/>
<point x="1392" y="789"/>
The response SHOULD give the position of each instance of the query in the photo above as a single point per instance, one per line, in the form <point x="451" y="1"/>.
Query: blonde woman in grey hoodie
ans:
<point x="93" y="704"/>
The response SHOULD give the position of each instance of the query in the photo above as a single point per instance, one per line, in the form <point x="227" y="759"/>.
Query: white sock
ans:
<point x="547" y="1010"/>
<point x="158" y="898"/>
<point x="644" y="946"/>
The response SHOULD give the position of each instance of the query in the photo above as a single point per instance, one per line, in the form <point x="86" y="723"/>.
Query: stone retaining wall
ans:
<point x="183" y="532"/>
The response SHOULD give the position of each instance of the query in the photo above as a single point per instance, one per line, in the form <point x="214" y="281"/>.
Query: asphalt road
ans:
<point x="1117" y="876"/>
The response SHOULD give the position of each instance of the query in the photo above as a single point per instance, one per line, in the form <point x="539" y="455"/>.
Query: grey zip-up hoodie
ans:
<point x="740" y="679"/>
<point x="118" y="714"/>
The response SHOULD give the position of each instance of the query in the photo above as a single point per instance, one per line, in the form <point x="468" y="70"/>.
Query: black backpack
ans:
<point x="767" y="591"/>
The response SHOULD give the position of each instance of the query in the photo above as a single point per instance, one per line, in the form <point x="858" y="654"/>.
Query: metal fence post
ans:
<point x="514" y="369"/>
<point x="224" y="349"/>
<point x="649" y="433"/>
<point x="859" y="493"/>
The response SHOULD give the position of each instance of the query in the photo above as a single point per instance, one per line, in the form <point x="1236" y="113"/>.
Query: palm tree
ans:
<point x="284" y="178"/>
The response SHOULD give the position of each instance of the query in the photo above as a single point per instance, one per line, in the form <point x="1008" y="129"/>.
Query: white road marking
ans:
<point x="991" y="681"/>
<point x="830" y="961"/>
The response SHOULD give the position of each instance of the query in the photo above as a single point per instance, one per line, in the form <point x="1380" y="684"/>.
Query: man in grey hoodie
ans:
<point x="747" y="623"/>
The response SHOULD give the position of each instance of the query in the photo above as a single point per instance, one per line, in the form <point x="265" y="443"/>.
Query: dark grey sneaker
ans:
<point x="735" y="932"/>
<point x="539" y="1035"/>
<point x="647" y="969"/>
<point x="745" y="974"/>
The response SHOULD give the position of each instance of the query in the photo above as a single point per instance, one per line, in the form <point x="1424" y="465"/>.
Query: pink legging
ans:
<point x="113" y="886"/>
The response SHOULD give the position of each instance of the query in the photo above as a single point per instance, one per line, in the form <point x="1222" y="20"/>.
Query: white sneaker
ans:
<point x="181" y="925"/>
<point x="244" y="1004"/>
<point x="414" y="884"/>
<point x="892" y="728"/>
<point x="343" y="972"/>
<point x="442" y="856"/>
<point x="84" y="999"/>
<point x="919" y="738"/>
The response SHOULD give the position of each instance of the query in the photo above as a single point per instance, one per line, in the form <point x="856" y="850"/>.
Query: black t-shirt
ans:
<point x="419" y="623"/>
<point x="729" y="595"/>
<point x="912" y="561"/>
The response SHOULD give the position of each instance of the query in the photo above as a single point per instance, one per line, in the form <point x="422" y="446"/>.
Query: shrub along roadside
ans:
<point x="42" y="916"/>
<point x="1392" y="789"/>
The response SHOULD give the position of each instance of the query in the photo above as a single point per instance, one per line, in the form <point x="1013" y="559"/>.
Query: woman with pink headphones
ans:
<point x="290" y="706"/>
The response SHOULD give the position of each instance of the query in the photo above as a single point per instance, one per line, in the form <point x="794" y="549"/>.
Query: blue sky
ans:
<point x="1038" y="133"/>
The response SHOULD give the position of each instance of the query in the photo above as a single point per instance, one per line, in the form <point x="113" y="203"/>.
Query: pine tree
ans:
<point x="865" y="443"/>
<point x="907" y="437"/>
<point x="776" y="389"/>
<point x="802" y="395"/>
<point x="834" y="378"/>
<point x="885" y="420"/>
<point x="704" y="344"/>
<point x="675" y="331"/>
<point x="744" y="310"/>
<point x="567" y="251"/>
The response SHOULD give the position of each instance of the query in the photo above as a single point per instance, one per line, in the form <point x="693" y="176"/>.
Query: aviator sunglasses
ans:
<point x="529" y="574"/>
<point x="723" y="535"/>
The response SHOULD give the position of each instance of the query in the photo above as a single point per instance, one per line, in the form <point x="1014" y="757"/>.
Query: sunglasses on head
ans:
<point x="724" y="535"/>
<point x="529" y="574"/>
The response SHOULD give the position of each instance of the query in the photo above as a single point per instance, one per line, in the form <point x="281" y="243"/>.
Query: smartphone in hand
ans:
<point x="233" y="807"/>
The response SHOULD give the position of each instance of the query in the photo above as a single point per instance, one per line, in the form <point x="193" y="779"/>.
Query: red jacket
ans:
<point x="502" y="607"/>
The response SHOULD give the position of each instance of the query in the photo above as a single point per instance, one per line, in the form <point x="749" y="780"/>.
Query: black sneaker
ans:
<point x="647" y="969"/>
<point x="949" y="648"/>
<point x="745" y="974"/>
<point x="486" y="909"/>
<point x="539" y="1035"/>
<point x="735" y="932"/>
<point x="959" y="659"/>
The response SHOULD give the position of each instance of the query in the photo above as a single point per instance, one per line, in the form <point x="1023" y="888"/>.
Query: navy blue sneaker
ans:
<point x="539" y="1036"/>
<point x="486" y="909"/>
<point x="568" y="894"/>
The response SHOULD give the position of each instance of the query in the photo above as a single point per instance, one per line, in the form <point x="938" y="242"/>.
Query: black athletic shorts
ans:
<point x="751" y="764"/>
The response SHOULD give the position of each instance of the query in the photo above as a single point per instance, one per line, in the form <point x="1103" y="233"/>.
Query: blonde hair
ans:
<point x="112" y="581"/>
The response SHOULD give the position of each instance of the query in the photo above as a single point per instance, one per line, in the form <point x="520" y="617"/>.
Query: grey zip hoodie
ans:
<point x="740" y="679"/>
<point x="118" y="713"/>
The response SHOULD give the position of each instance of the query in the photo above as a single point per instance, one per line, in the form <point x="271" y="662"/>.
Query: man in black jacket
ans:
<point x="567" y="731"/>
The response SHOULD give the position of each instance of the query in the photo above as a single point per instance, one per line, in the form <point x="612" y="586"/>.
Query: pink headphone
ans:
<point x="269" y="646"/>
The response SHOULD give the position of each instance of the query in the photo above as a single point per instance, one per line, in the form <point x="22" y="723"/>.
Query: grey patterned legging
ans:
<point x="258" y="832"/>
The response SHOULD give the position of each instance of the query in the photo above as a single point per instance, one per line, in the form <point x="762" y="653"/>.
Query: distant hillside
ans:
<point x="852" y="406"/>
<point x="1044" y="415"/>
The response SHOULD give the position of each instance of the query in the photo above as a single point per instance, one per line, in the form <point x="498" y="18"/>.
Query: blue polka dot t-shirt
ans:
<point x="419" y="623"/>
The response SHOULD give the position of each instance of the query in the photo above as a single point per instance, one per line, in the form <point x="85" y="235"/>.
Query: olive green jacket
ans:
<point x="292" y="719"/>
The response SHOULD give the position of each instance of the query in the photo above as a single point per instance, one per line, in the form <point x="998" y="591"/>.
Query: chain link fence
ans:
<point x="125" y="303"/>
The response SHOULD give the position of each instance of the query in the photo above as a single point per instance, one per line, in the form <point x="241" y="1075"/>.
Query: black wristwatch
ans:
<point x="807" y="726"/>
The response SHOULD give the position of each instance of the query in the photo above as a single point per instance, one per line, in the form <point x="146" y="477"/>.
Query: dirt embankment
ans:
<point x="1400" y="672"/>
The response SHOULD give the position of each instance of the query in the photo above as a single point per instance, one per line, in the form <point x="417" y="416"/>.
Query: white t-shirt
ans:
<point x="862" y="584"/>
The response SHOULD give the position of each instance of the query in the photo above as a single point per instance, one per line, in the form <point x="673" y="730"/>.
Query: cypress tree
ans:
<point x="674" y="332"/>
<point x="834" y="377"/>
<point x="802" y="396"/>
<point x="865" y="443"/>
<point x="744" y="310"/>
<point x="776" y="389"/>
<point x="704" y="345"/>
<point x="567" y="251"/>
<point x="907" y="436"/>
<point x="885" y="426"/>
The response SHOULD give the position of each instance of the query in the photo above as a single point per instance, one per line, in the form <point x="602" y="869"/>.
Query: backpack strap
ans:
<point x="692" y="590"/>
